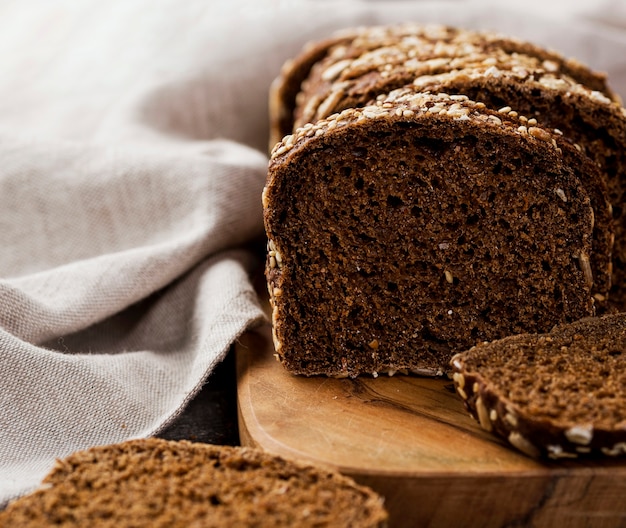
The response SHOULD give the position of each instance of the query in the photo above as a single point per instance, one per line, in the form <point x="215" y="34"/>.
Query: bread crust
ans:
<point x="346" y="61"/>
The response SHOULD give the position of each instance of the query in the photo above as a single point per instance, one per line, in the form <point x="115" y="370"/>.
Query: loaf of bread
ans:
<point x="559" y="394"/>
<point x="499" y="71"/>
<point x="406" y="231"/>
<point x="408" y="204"/>
<point x="158" y="483"/>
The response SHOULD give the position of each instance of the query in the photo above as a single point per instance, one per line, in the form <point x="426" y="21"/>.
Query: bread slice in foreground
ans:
<point x="159" y="483"/>
<point x="559" y="394"/>
<point x="404" y="232"/>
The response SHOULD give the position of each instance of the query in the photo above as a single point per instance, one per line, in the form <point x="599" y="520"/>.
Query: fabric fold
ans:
<point x="127" y="377"/>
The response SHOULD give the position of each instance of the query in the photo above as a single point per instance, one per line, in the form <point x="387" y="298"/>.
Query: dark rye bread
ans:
<point x="392" y="51"/>
<point x="404" y="232"/>
<point x="591" y="121"/>
<point x="559" y="394"/>
<point x="157" y="483"/>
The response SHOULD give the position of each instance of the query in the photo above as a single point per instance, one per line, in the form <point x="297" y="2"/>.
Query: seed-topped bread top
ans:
<point x="329" y="89"/>
<point x="406" y="103"/>
<point x="407" y="230"/>
<point x="559" y="394"/>
<point x="382" y="50"/>
<point x="158" y="483"/>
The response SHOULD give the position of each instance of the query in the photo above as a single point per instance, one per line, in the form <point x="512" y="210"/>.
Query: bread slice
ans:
<point x="159" y="483"/>
<point x="558" y="394"/>
<point x="404" y="232"/>
<point x="595" y="124"/>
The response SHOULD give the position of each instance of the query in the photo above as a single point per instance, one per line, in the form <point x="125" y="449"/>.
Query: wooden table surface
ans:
<point x="411" y="439"/>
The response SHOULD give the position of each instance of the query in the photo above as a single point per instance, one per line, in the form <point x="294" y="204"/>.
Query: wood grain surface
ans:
<point x="411" y="439"/>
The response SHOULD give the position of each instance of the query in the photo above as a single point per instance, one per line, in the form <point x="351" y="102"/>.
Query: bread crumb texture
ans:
<point x="158" y="483"/>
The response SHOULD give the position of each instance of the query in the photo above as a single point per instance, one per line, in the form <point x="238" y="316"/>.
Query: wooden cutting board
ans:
<point x="410" y="439"/>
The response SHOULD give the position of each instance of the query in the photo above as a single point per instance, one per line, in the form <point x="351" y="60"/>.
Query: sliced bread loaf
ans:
<point x="406" y="231"/>
<point x="558" y="394"/>
<point x="158" y="483"/>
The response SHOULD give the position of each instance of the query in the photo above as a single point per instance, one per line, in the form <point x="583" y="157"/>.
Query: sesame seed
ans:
<point x="539" y="133"/>
<point x="580" y="434"/>
<point x="517" y="440"/>
<point x="483" y="416"/>
<point x="335" y="70"/>
<point x="511" y="419"/>
<point x="585" y="266"/>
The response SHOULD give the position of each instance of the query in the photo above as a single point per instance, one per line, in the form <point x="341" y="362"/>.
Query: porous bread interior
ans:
<point x="402" y="245"/>
<point x="179" y="484"/>
<point x="600" y="129"/>
<point x="570" y="377"/>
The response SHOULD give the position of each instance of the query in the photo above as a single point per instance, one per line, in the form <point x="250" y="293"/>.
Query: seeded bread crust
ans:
<point x="285" y="88"/>
<point x="557" y="395"/>
<point x="158" y="483"/>
<point x="333" y="86"/>
<point x="361" y="81"/>
<point x="400" y="290"/>
<point x="391" y="51"/>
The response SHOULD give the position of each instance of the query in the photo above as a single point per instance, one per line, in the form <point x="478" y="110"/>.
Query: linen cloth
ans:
<point x="133" y="141"/>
